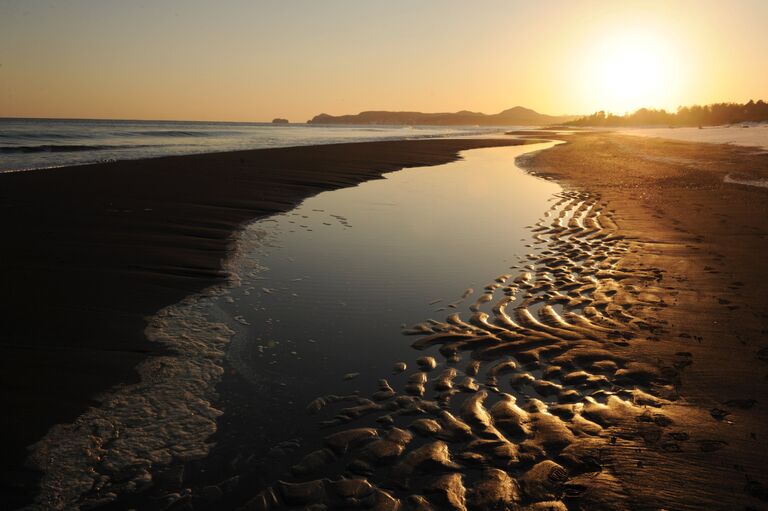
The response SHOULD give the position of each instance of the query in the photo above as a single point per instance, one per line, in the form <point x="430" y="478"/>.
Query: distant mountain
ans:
<point x="516" y="116"/>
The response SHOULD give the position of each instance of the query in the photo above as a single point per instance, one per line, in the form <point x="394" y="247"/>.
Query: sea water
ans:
<point x="43" y="143"/>
<point x="339" y="276"/>
<point x="325" y="292"/>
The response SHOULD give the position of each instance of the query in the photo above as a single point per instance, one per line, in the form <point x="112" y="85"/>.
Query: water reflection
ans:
<point x="338" y="277"/>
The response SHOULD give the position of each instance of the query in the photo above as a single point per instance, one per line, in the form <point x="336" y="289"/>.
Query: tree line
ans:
<point x="708" y="115"/>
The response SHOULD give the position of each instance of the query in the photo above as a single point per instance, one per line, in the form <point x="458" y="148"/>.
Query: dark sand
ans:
<point x="90" y="251"/>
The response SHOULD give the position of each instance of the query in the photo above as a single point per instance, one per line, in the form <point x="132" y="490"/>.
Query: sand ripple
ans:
<point x="521" y="424"/>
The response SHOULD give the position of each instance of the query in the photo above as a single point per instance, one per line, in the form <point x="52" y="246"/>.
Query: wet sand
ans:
<point x="623" y="366"/>
<point x="709" y="239"/>
<point x="91" y="251"/>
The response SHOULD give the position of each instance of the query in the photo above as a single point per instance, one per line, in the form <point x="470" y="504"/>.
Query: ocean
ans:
<point x="27" y="144"/>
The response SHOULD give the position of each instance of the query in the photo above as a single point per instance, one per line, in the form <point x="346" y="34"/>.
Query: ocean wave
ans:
<point x="13" y="135"/>
<point x="62" y="148"/>
<point x="180" y="133"/>
<point x="743" y="180"/>
<point x="169" y="133"/>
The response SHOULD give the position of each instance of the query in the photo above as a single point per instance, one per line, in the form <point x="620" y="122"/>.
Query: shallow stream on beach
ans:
<point x="317" y="305"/>
<point x="327" y="288"/>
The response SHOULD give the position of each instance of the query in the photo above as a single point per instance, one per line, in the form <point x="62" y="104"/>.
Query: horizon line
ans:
<point x="15" y="117"/>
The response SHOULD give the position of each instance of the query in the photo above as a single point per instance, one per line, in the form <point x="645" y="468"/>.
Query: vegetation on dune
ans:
<point x="709" y="115"/>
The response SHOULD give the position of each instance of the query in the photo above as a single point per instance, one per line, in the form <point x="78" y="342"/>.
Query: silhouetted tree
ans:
<point x="696" y="115"/>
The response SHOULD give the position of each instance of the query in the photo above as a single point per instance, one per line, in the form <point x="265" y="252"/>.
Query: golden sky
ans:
<point x="247" y="60"/>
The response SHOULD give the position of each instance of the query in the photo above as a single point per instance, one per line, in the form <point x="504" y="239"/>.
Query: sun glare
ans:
<point x="630" y="71"/>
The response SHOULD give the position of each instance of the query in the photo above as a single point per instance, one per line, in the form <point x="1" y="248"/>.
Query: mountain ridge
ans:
<point x="515" y="116"/>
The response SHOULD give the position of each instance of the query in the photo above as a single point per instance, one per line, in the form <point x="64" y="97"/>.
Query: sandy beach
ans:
<point x="98" y="248"/>
<point x="622" y="368"/>
<point x="629" y="376"/>
<point x="384" y="256"/>
<point x="708" y="239"/>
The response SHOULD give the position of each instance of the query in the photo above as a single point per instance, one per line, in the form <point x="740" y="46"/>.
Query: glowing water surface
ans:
<point x="320" y="298"/>
<point x="327" y="287"/>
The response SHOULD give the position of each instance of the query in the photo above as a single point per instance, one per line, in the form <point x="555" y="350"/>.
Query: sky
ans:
<point x="248" y="60"/>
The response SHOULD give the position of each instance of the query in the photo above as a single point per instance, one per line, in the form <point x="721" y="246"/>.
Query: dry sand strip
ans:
<point x="90" y="251"/>
<point x="710" y="239"/>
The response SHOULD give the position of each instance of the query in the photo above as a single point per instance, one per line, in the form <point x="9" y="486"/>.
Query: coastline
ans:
<point x="702" y="237"/>
<point x="643" y="392"/>
<point x="95" y="249"/>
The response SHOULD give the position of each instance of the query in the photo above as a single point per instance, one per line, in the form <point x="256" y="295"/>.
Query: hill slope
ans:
<point x="511" y="117"/>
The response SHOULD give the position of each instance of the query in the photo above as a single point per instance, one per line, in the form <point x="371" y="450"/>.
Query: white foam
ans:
<point x="117" y="446"/>
<point x="760" y="183"/>
<point x="168" y="416"/>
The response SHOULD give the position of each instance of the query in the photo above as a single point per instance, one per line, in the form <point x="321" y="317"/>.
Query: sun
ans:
<point x="631" y="70"/>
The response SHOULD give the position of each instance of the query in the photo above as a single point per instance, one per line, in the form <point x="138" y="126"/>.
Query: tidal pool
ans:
<point x="319" y="299"/>
<point x="326" y="288"/>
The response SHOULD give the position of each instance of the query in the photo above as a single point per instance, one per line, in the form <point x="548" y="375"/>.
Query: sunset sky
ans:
<point x="246" y="60"/>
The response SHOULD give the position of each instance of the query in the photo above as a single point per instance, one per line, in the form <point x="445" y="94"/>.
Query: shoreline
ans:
<point x="41" y="144"/>
<point x="648" y="396"/>
<point x="699" y="242"/>
<point x="642" y="390"/>
<point x="95" y="249"/>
